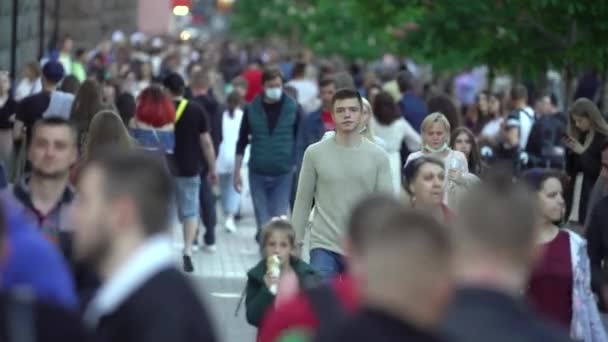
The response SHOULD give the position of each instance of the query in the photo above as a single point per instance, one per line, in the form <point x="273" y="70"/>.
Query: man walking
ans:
<point x="270" y="122"/>
<point x="336" y="173"/>
<point x="122" y="215"/>
<point x="191" y="138"/>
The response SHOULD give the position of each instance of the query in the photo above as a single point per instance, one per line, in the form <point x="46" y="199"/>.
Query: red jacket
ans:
<point x="297" y="314"/>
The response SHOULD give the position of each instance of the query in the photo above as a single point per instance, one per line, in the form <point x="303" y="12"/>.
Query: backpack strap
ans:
<point x="327" y="307"/>
<point x="180" y="109"/>
<point x="20" y="318"/>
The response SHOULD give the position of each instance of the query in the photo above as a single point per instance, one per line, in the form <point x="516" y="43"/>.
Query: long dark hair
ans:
<point x="474" y="159"/>
<point x="385" y="109"/>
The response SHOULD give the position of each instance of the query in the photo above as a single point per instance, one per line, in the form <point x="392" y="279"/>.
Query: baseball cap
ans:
<point x="53" y="71"/>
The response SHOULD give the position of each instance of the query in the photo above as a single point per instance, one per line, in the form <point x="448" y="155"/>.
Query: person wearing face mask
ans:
<point x="435" y="131"/>
<point x="270" y="124"/>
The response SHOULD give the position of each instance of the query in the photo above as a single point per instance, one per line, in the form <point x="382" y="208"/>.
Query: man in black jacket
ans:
<point x="122" y="215"/>
<point x="494" y="252"/>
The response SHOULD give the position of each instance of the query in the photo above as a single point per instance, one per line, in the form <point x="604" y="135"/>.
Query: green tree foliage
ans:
<point x="518" y="36"/>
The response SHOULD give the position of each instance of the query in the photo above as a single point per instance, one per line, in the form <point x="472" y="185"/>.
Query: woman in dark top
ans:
<point x="586" y="134"/>
<point x="559" y="286"/>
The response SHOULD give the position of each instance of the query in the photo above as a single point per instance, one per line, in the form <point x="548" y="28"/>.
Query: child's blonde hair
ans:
<point x="278" y="224"/>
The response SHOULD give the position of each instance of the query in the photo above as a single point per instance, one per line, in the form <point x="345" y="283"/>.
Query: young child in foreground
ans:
<point x="279" y="263"/>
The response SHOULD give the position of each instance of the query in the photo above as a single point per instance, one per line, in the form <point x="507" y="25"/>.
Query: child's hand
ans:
<point x="270" y="280"/>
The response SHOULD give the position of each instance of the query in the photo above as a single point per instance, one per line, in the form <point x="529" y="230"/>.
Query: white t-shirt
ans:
<point x="307" y="93"/>
<point x="526" y="120"/>
<point x="230" y="135"/>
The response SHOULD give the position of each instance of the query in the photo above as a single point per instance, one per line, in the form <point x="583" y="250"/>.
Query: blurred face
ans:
<point x="327" y="94"/>
<point x="552" y="203"/>
<point x="512" y="136"/>
<point x="428" y="184"/>
<point x="90" y="215"/>
<point x="494" y="105"/>
<point x="366" y="115"/>
<point x="276" y="82"/>
<point x="544" y="106"/>
<point x="435" y="135"/>
<point x="109" y="93"/>
<point x="463" y="144"/>
<point x="5" y="82"/>
<point x="52" y="151"/>
<point x="482" y="102"/>
<point x="278" y="244"/>
<point x="68" y="44"/>
<point x="347" y="115"/>
<point x="582" y="123"/>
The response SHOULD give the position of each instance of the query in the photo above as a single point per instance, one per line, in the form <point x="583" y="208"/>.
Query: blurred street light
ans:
<point x="181" y="11"/>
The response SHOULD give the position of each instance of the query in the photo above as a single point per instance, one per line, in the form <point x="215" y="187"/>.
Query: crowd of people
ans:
<point x="427" y="215"/>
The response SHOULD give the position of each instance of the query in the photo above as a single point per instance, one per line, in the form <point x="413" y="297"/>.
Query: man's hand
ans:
<point x="237" y="182"/>
<point x="212" y="177"/>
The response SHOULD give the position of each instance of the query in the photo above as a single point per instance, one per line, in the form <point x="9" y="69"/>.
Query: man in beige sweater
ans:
<point x="337" y="173"/>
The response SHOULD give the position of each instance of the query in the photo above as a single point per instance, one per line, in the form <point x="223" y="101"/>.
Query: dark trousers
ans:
<point x="208" y="210"/>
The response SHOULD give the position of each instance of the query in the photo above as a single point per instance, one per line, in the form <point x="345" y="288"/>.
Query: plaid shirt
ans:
<point x="52" y="224"/>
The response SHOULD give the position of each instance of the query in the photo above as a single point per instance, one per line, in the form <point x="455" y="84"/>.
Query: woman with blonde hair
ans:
<point x="586" y="134"/>
<point x="435" y="131"/>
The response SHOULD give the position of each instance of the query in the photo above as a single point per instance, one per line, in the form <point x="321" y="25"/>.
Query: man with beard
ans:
<point x="122" y="214"/>
<point x="45" y="194"/>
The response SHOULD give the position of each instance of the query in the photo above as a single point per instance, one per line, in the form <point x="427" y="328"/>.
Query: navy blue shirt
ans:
<point x="413" y="109"/>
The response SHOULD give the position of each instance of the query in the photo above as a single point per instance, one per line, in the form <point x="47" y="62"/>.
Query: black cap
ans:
<point x="175" y="83"/>
<point x="53" y="71"/>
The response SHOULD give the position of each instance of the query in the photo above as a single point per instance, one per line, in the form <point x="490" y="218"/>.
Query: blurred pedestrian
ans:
<point x="125" y="105"/>
<point x="70" y="85"/>
<point x="30" y="82"/>
<point x="87" y="103"/>
<point x="390" y="126"/>
<point x="24" y="315"/>
<point x="545" y="145"/>
<point x="335" y="189"/>
<point x="8" y="105"/>
<point x="478" y="114"/>
<point x="404" y="305"/>
<point x="495" y="248"/>
<point x="444" y="104"/>
<point x="270" y="123"/>
<point x="522" y="112"/>
<point x="587" y="132"/>
<point x="559" y="287"/>
<point x="122" y="214"/>
<point x="81" y="60"/>
<point x="413" y="109"/>
<point x="307" y="89"/>
<point x="50" y="102"/>
<point x="192" y="143"/>
<point x="231" y="122"/>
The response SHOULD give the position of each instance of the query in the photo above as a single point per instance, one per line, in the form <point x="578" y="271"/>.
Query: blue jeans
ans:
<point x="327" y="263"/>
<point x="270" y="196"/>
<point x="230" y="198"/>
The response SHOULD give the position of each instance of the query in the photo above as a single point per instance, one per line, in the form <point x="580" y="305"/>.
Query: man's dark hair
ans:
<point x="385" y="108"/>
<point x="270" y="73"/>
<point x="347" y="93"/>
<point x="519" y="92"/>
<point x="144" y="178"/>
<point x="55" y="121"/>
<point x="175" y="83"/>
<point x="325" y="81"/>
<point x="299" y="69"/>
<point x="405" y="81"/>
<point x="79" y="52"/>
<point x="367" y="217"/>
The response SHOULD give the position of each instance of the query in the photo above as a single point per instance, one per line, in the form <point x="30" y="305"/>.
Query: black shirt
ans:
<point x="31" y="108"/>
<point x="483" y="315"/>
<point x="48" y="324"/>
<point x="374" y="325"/>
<point x="188" y="151"/>
<point x="214" y="116"/>
<point x="273" y="112"/>
<point x="597" y="247"/>
<point x="6" y="111"/>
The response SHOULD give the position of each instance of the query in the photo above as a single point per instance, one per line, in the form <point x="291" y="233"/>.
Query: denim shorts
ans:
<point x="187" y="197"/>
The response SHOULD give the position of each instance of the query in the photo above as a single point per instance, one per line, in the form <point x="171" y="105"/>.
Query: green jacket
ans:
<point x="258" y="297"/>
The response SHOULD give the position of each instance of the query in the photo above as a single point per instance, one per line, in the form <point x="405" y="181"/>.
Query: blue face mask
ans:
<point x="274" y="93"/>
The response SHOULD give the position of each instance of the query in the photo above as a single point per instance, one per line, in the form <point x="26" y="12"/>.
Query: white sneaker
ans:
<point x="229" y="225"/>
<point x="211" y="249"/>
